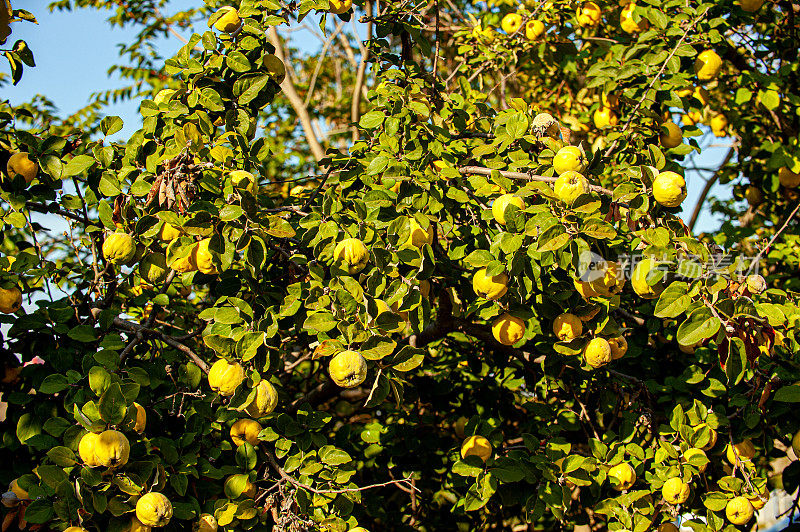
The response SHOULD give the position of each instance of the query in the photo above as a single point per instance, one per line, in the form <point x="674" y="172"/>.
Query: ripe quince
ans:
<point x="476" y="446"/>
<point x="694" y="451"/>
<point x="207" y="523"/>
<point x="619" y="346"/>
<point x="112" y="449"/>
<point x="86" y="449"/>
<point x="20" y="163"/>
<point x="751" y="6"/>
<point x="597" y="352"/>
<point x="500" y="204"/>
<point x="243" y="179"/>
<point x="168" y="233"/>
<point x="570" y="185"/>
<point x="508" y="329"/>
<point x="671" y="135"/>
<point x="745" y="450"/>
<point x="626" y="20"/>
<point x="707" y="65"/>
<point x="669" y="189"/>
<point x="337" y="7"/>
<point x="675" y="491"/>
<point x="490" y="288"/>
<point x="202" y="257"/>
<point x="351" y="254"/>
<point x="567" y="327"/>
<point x="569" y="158"/>
<point x="739" y="510"/>
<point x="119" y="248"/>
<point x="245" y="430"/>
<point x="534" y="29"/>
<point x="419" y="236"/>
<point x="10" y="300"/>
<point x="154" y="509"/>
<point x="605" y="117"/>
<point x="224" y="377"/>
<point x="229" y="22"/>
<point x="348" y="369"/>
<point x="511" y="23"/>
<point x="265" y="401"/>
<point x="589" y="14"/>
<point x="639" y="280"/>
<point x="624" y="475"/>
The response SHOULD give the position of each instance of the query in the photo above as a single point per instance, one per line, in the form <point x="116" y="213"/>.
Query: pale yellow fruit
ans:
<point x="229" y="22"/>
<point x="112" y="449"/>
<point x="167" y="233"/>
<point x="86" y="449"/>
<point x="245" y="430"/>
<point x="707" y="65"/>
<point x="458" y="426"/>
<point x="756" y="284"/>
<point x="351" y="254"/>
<point x="570" y="185"/>
<point x="154" y="509"/>
<point x="751" y="6"/>
<point x="597" y="352"/>
<point x="667" y="527"/>
<point x="348" y="369"/>
<point x="476" y="446"/>
<point x="619" y="346"/>
<point x="202" y="257"/>
<point x="508" y="329"/>
<point x="224" y="377"/>
<point x="243" y="179"/>
<point x="796" y="444"/>
<point x="787" y="178"/>
<point x="337" y="7"/>
<point x="75" y="529"/>
<point x="671" y="135"/>
<point x="589" y="14"/>
<point x="745" y="450"/>
<point x="119" y="248"/>
<point x="184" y="264"/>
<point x="694" y="451"/>
<point x="626" y="20"/>
<point x="605" y="117"/>
<point x="669" y="189"/>
<point x="10" y="300"/>
<point x="639" y="280"/>
<point x="739" y="510"/>
<point x="611" y="282"/>
<point x="511" y="23"/>
<point x="584" y="289"/>
<point x="567" y="327"/>
<point x="692" y="118"/>
<point x="207" y="523"/>
<point x="534" y="29"/>
<point x="418" y="236"/>
<point x="500" y="204"/>
<point x="718" y="123"/>
<point x="20" y="164"/>
<point x="490" y="288"/>
<point x="265" y="401"/>
<point x="569" y="158"/>
<point x="141" y="418"/>
<point x="624" y="475"/>
<point x="675" y="491"/>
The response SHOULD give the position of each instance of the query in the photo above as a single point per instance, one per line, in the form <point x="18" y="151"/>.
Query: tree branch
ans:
<point x="707" y="188"/>
<point x="520" y="176"/>
<point x="295" y="100"/>
<point x="355" y="108"/>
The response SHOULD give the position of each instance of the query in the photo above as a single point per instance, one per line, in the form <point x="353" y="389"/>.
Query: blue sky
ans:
<point x="74" y="51"/>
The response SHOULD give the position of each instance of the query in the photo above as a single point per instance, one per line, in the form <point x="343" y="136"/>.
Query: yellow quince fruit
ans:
<point x="168" y="232"/>
<point x="567" y="327"/>
<point x="671" y="135"/>
<point x="626" y="20"/>
<point x="154" y="509"/>
<point x="570" y="185"/>
<point x="639" y="280"/>
<point x="597" y="352"/>
<point x="499" y="206"/>
<point x="623" y="476"/>
<point x="490" y="288"/>
<point x="569" y="158"/>
<point x="604" y="117"/>
<point x="348" y="369"/>
<point x="534" y="29"/>
<point x="20" y="164"/>
<point x="245" y="430"/>
<point x="119" y="248"/>
<point x="207" y="523"/>
<point x="589" y="14"/>
<point x="675" y="491"/>
<point x="476" y="446"/>
<point x="508" y="329"/>
<point x="86" y="449"/>
<point x="694" y="451"/>
<point x="511" y="23"/>
<point x="418" y="236"/>
<point x="224" y="377"/>
<point x="745" y="450"/>
<point x="619" y="346"/>
<point x="10" y="300"/>
<point x="751" y="6"/>
<point x="669" y="189"/>
<point x="707" y="65"/>
<point x="351" y="254"/>
<point x="739" y="510"/>
<point x="112" y="449"/>
<point x="202" y="257"/>
<point x="229" y="22"/>
<point x="337" y="7"/>
<point x="265" y="401"/>
<point x="243" y="179"/>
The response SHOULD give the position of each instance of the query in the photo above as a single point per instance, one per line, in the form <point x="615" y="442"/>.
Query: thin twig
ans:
<point x="479" y="170"/>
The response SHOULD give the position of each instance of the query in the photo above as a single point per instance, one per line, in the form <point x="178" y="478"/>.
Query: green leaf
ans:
<point x="372" y="119"/>
<point x="28" y="427"/>
<point x="377" y="347"/>
<point x="788" y="394"/>
<point x="700" y="324"/>
<point x="53" y="384"/>
<point x="333" y="456"/>
<point x="673" y="301"/>
<point x="112" y="405"/>
<point x="211" y="100"/>
<point x="110" y="125"/>
<point x="78" y="165"/>
<point x="320" y="322"/>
